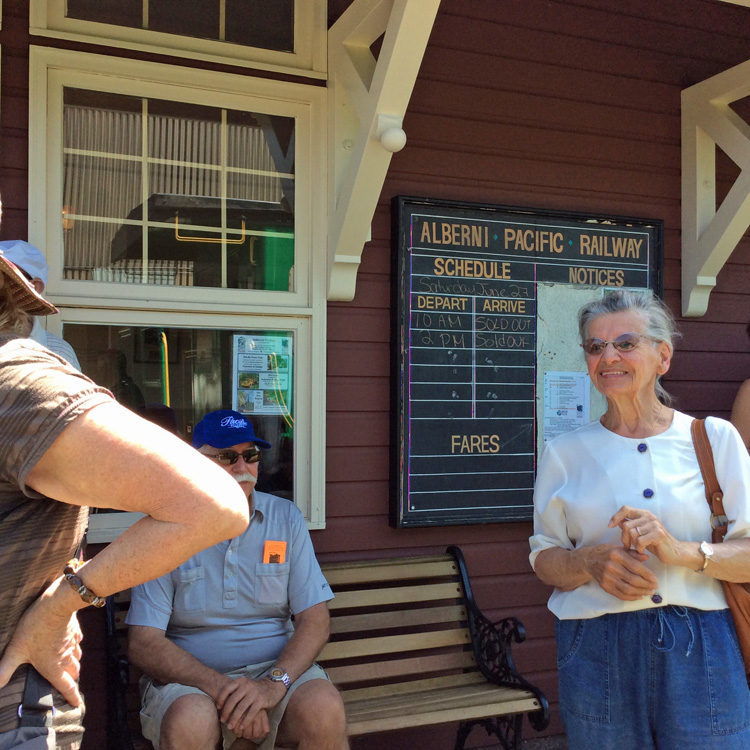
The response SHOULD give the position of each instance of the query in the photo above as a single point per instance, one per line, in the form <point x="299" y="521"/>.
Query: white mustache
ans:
<point x="247" y="477"/>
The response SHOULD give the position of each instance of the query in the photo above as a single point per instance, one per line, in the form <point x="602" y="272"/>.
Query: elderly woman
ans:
<point x="646" y="648"/>
<point x="66" y="444"/>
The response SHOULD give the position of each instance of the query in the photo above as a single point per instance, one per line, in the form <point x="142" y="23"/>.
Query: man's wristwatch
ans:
<point x="708" y="552"/>
<point x="279" y="675"/>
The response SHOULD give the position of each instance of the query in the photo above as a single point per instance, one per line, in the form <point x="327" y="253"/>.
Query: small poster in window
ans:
<point x="262" y="374"/>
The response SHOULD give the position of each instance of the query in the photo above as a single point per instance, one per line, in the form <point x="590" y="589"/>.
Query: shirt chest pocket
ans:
<point x="190" y="590"/>
<point x="271" y="583"/>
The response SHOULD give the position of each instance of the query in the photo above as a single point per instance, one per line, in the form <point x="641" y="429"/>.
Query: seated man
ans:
<point x="215" y="637"/>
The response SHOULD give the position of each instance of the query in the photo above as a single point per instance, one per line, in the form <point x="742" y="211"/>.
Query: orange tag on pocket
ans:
<point x="274" y="552"/>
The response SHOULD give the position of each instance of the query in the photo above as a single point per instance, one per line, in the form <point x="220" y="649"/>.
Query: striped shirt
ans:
<point x="40" y="394"/>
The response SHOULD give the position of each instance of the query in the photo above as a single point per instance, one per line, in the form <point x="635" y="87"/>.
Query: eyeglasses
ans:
<point x="227" y="458"/>
<point x="625" y="342"/>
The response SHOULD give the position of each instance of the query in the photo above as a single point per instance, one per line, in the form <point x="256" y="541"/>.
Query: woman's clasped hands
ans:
<point x="642" y="530"/>
<point x="621" y="570"/>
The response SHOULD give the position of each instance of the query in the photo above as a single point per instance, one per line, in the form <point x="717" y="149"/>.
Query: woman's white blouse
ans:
<point x="588" y="474"/>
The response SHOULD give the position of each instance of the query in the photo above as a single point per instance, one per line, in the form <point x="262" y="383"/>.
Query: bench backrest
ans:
<point x="394" y="622"/>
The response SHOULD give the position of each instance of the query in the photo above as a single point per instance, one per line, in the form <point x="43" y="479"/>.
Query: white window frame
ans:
<point x="302" y="311"/>
<point x="309" y="398"/>
<point x="310" y="57"/>
<point x="52" y="69"/>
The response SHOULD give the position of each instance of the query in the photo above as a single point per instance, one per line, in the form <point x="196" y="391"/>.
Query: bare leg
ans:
<point x="314" y="719"/>
<point x="191" y="723"/>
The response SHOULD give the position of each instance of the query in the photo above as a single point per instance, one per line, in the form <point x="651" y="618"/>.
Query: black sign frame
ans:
<point x="492" y="256"/>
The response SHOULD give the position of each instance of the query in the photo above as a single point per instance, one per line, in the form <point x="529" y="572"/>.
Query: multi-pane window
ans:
<point x="160" y="192"/>
<point x="183" y="218"/>
<point x="281" y="35"/>
<point x="268" y="24"/>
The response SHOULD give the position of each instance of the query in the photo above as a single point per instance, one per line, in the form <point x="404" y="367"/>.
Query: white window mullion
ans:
<point x="145" y="189"/>
<point x="223" y="193"/>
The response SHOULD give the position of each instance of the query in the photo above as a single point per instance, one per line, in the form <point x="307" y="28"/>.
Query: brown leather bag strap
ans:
<point x="714" y="495"/>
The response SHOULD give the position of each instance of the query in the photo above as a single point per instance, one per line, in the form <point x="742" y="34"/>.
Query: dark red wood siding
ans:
<point x="549" y="104"/>
<point x="560" y="105"/>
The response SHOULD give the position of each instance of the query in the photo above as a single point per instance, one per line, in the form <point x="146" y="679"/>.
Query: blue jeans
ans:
<point x="670" y="678"/>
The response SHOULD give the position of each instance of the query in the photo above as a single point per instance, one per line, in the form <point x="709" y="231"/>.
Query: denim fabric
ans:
<point x="670" y="678"/>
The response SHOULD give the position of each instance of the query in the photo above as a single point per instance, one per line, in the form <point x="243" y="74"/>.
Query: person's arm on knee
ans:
<point x="241" y="701"/>
<point x="150" y="650"/>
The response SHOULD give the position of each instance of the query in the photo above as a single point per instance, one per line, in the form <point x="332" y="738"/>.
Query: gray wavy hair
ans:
<point x="658" y="321"/>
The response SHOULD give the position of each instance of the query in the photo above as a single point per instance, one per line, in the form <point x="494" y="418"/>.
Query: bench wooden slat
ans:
<point x="365" y="716"/>
<point x="418" y="665"/>
<point x="414" y="686"/>
<point x="456" y="696"/>
<point x="400" y="619"/>
<point x="400" y="595"/>
<point x="369" y="571"/>
<point x="394" y="644"/>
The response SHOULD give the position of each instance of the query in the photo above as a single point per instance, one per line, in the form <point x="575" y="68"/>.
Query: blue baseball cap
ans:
<point x="224" y="428"/>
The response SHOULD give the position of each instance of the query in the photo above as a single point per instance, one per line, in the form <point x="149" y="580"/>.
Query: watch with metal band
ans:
<point x="708" y="552"/>
<point x="279" y="675"/>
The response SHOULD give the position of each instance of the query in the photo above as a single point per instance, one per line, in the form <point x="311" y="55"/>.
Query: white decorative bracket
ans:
<point x="367" y="103"/>
<point x="709" y="235"/>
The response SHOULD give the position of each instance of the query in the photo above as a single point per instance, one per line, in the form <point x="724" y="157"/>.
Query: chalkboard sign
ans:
<point x="465" y="344"/>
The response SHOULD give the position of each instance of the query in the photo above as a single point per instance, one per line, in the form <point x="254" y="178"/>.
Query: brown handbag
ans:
<point x="738" y="594"/>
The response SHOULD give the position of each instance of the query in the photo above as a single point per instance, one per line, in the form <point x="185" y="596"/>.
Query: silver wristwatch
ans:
<point x="279" y="675"/>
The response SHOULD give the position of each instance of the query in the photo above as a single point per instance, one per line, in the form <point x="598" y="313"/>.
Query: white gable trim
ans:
<point x="709" y="235"/>
<point x="367" y="103"/>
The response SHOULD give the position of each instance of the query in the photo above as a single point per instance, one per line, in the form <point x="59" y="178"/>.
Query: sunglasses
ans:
<point x="625" y="342"/>
<point x="227" y="458"/>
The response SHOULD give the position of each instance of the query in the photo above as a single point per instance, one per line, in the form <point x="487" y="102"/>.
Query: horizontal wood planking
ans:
<point x="576" y="118"/>
<point x="414" y="665"/>
<point x="397" y="595"/>
<point x="387" y="620"/>
<point x="564" y="105"/>
<point x="369" y="571"/>
<point x="394" y="644"/>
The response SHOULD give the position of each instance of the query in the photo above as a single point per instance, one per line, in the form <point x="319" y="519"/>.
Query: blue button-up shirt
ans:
<point x="228" y="608"/>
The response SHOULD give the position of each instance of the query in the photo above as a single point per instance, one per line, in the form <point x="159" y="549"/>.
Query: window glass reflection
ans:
<point x="266" y="24"/>
<point x="174" y="376"/>
<point x="206" y="201"/>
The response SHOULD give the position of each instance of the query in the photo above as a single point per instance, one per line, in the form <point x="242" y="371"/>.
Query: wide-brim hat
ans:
<point x="225" y="428"/>
<point x="23" y="293"/>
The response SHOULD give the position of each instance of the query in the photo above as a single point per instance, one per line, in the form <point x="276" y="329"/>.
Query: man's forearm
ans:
<point x="310" y="635"/>
<point x="167" y="663"/>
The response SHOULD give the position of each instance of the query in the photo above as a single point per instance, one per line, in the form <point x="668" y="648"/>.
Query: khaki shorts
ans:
<point x="157" y="698"/>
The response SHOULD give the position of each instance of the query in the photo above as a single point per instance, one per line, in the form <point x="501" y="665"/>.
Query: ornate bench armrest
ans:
<point x="492" y="647"/>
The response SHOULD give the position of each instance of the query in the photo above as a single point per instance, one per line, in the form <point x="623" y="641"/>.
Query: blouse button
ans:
<point x="642" y="447"/>
<point x="656" y="599"/>
<point x="647" y="493"/>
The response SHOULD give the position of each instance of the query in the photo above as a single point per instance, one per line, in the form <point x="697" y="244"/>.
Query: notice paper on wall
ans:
<point x="566" y="402"/>
<point x="262" y="374"/>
